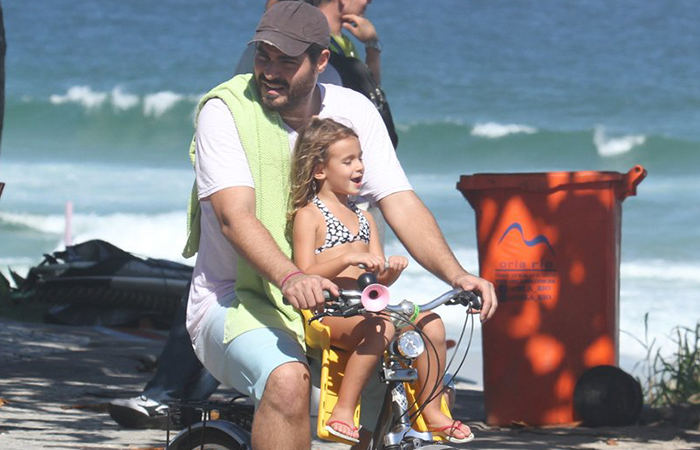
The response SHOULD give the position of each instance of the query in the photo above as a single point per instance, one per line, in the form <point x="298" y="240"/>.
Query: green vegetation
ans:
<point x="672" y="380"/>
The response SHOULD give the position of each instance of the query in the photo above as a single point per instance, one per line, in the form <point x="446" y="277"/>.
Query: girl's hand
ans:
<point x="370" y="262"/>
<point x="393" y="268"/>
<point x="396" y="264"/>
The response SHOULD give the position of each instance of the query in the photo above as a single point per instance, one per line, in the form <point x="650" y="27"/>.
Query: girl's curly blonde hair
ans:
<point x="310" y="151"/>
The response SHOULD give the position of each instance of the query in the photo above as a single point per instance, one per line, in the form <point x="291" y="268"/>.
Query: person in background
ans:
<point x="349" y="15"/>
<point x="361" y="77"/>
<point x="179" y="375"/>
<point x="3" y="48"/>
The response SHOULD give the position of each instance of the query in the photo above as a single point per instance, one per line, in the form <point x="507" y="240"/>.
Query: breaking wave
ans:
<point x="152" y="105"/>
<point x="153" y="235"/>
<point x="614" y="146"/>
<point x="492" y="130"/>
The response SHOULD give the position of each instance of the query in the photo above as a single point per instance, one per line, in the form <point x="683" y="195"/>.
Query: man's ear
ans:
<point x="322" y="61"/>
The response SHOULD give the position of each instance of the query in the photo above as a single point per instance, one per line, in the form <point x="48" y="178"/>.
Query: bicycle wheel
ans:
<point x="207" y="439"/>
<point x="435" y="446"/>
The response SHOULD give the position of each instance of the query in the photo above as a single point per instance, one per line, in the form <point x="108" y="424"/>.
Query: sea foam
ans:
<point x="661" y="270"/>
<point x="123" y="100"/>
<point x="154" y="105"/>
<point x="82" y="95"/>
<point x="149" y="235"/>
<point x="608" y="146"/>
<point x="103" y="187"/>
<point x="492" y="130"/>
<point x="49" y="224"/>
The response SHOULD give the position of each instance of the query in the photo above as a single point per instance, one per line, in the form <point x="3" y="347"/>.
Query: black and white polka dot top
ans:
<point x="336" y="232"/>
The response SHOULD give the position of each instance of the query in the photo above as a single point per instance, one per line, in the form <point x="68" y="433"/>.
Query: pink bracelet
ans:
<point x="289" y="275"/>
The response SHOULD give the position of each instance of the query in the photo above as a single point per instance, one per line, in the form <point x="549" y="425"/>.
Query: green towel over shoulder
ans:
<point x="266" y="145"/>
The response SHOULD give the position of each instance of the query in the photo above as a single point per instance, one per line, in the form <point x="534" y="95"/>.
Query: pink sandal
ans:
<point x="447" y="433"/>
<point x="337" y="433"/>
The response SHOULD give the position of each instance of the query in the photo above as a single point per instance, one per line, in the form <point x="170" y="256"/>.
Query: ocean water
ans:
<point x="101" y="95"/>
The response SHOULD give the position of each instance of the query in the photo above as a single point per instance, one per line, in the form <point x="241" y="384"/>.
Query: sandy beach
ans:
<point x="55" y="382"/>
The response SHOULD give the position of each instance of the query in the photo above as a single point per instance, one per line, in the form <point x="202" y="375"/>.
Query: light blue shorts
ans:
<point x="246" y="362"/>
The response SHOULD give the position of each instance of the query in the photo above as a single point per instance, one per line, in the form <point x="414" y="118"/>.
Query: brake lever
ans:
<point x="468" y="299"/>
<point x="318" y="316"/>
<point x="330" y="309"/>
<point x="333" y="309"/>
<point x="473" y="300"/>
<point x="353" y="310"/>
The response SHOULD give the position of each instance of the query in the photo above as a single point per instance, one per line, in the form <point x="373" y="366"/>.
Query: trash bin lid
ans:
<point x="551" y="181"/>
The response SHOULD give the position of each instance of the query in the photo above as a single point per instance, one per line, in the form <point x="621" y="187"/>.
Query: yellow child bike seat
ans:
<point x="333" y="362"/>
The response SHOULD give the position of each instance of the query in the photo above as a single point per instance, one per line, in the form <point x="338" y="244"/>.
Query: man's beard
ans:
<point x="297" y="93"/>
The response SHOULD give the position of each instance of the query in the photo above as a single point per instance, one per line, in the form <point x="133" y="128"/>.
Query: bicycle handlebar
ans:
<point x="349" y="303"/>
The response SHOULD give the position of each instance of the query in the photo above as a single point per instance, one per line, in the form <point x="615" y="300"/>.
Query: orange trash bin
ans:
<point x="550" y="243"/>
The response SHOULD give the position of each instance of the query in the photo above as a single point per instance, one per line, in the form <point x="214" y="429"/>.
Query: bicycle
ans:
<point x="226" y="425"/>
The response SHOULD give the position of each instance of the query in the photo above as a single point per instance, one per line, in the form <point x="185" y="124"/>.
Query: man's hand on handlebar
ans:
<point x="489" y="302"/>
<point x="306" y="291"/>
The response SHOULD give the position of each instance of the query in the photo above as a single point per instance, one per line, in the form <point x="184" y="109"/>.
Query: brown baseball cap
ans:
<point x="292" y="27"/>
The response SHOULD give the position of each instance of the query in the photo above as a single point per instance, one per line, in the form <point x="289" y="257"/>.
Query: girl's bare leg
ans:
<point x="431" y="324"/>
<point x="365" y="337"/>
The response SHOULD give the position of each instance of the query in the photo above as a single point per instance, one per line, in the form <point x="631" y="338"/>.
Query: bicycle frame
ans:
<point x="395" y="409"/>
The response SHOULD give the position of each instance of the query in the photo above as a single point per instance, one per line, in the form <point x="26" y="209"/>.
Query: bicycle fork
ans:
<point x="393" y="428"/>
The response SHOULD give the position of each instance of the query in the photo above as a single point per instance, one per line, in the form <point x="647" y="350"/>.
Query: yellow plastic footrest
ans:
<point x="332" y="372"/>
<point x="333" y="364"/>
<point x="411" y="390"/>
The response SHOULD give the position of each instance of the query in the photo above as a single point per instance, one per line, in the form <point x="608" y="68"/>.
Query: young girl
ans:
<point x="333" y="238"/>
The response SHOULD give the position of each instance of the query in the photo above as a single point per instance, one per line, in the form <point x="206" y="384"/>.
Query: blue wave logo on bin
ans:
<point x="537" y="240"/>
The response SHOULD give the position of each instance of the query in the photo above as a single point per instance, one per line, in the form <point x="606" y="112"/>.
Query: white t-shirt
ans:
<point x="221" y="163"/>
